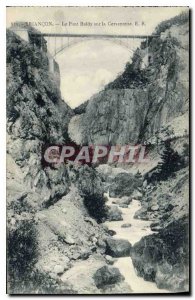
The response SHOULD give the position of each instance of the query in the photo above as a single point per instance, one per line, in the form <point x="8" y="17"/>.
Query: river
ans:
<point x="138" y="229"/>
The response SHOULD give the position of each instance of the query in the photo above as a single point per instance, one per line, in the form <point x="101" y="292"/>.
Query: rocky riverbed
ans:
<point x="132" y="230"/>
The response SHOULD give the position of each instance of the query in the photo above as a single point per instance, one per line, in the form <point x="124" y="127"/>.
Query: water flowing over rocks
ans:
<point x="131" y="234"/>
<point x="163" y="257"/>
<point x="120" y="183"/>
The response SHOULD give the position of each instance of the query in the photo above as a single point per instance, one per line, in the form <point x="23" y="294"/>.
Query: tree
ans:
<point x="170" y="162"/>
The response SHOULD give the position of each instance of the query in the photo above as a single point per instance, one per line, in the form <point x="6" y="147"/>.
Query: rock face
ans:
<point x="36" y="116"/>
<point x="106" y="276"/>
<point x="118" y="247"/>
<point x="145" y="97"/>
<point x="90" y="187"/>
<point x="124" y="184"/>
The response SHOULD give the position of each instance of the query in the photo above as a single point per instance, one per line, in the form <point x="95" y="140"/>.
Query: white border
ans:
<point x="3" y="4"/>
<point x="98" y="3"/>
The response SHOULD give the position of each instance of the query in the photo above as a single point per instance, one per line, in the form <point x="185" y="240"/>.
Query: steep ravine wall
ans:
<point x="146" y="96"/>
<point x="49" y="214"/>
<point x="36" y="113"/>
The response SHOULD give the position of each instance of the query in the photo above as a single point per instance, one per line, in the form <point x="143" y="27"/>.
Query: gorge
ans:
<point x="116" y="228"/>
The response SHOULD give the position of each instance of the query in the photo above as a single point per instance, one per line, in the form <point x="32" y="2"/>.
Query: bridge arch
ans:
<point x="68" y="40"/>
<point x="73" y="42"/>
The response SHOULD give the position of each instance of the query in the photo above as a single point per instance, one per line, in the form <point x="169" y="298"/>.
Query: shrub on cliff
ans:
<point x="177" y="20"/>
<point x="96" y="206"/>
<point x="22" y="252"/>
<point x="132" y="76"/>
<point x="170" y="163"/>
<point x="41" y="283"/>
<point x="23" y="277"/>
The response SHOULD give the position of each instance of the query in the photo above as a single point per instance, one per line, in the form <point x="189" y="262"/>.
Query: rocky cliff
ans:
<point x="152" y="91"/>
<point x="53" y="213"/>
<point x="36" y="114"/>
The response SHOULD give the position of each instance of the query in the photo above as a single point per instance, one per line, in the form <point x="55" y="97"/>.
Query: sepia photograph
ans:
<point x="97" y="150"/>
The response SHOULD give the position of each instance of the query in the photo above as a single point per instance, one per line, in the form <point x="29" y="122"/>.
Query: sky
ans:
<point x="88" y="66"/>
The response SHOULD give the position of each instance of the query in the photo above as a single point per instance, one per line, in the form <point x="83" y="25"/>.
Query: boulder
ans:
<point x="84" y="253"/>
<point x="142" y="213"/>
<point x="114" y="214"/>
<point x="107" y="275"/>
<point x="107" y="230"/>
<point x="111" y="232"/>
<point x="126" y="225"/>
<point x="117" y="247"/>
<point x="137" y="195"/>
<point x="101" y="243"/>
<point x="110" y="260"/>
<point x="163" y="257"/>
<point x="168" y="207"/>
<point x="69" y="240"/>
<point x="124" y="200"/>
<point x="123" y="205"/>
<point x="154" y="207"/>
